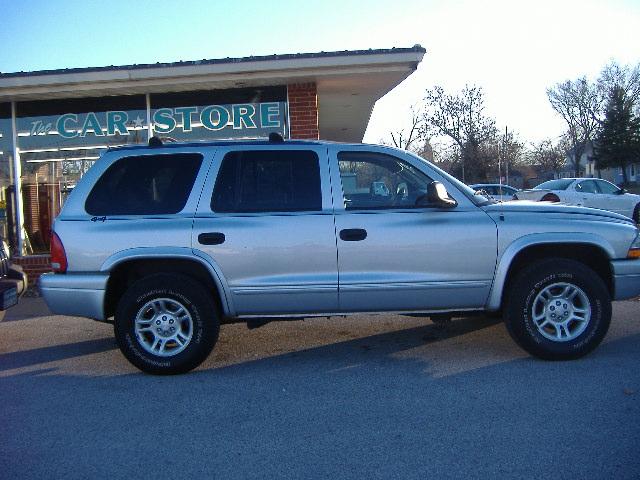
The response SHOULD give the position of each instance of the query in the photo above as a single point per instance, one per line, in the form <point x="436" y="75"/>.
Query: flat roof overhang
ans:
<point x="348" y="83"/>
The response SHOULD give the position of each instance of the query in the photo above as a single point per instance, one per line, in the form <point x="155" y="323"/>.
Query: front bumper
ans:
<point x="626" y="279"/>
<point x="76" y="294"/>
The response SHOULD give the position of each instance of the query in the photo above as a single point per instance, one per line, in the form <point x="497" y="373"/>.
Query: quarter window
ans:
<point x="379" y="181"/>
<point x="145" y="185"/>
<point x="268" y="181"/>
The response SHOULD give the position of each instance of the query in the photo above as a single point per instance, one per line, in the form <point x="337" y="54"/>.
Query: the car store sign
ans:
<point x="242" y="116"/>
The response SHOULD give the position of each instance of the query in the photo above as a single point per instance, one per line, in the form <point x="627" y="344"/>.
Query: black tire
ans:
<point x="636" y="214"/>
<point x="198" y="316"/>
<point x="524" y="300"/>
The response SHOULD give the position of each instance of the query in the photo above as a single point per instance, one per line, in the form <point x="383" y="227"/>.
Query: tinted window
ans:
<point x="145" y="185"/>
<point x="268" y="181"/>
<point x="374" y="181"/>
<point x="560" y="184"/>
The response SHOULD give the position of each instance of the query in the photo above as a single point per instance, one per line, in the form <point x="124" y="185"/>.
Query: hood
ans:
<point x="527" y="206"/>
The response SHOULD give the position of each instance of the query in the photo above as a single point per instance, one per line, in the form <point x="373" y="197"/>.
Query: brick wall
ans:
<point x="34" y="266"/>
<point x="303" y="111"/>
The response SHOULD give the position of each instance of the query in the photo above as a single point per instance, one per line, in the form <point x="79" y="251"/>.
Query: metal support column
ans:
<point x="149" y="126"/>
<point x="17" y="181"/>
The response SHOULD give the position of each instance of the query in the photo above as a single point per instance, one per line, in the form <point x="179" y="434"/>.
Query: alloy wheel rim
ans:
<point x="164" y="327"/>
<point x="561" y="312"/>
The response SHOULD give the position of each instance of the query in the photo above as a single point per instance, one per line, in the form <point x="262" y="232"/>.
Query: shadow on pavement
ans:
<point x="353" y="409"/>
<point x="24" y="358"/>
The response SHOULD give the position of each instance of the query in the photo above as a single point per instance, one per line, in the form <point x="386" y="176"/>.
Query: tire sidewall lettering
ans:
<point x="193" y="296"/>
<point x="528" y="285"/>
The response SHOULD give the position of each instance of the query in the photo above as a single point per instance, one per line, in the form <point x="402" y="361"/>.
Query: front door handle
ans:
<point x="353" y="234"/>
<point x="211" y="238"/>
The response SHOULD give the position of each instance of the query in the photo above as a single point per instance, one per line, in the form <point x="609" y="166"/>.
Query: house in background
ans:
<point x="588" y="168"/>
<point x="586" y="163"/>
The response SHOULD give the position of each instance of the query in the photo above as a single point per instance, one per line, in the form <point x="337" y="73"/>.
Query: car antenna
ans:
<point x="155" y="142"/>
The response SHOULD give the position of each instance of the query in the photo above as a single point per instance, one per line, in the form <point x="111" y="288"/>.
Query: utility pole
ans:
<point x="504" y="149"/>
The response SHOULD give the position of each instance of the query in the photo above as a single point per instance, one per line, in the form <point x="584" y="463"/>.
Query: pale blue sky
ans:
<point x="513" y="49"/>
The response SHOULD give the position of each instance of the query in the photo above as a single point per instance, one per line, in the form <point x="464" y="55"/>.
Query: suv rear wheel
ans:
<point x="558" y="309"/>
<point x="166" y="324"/>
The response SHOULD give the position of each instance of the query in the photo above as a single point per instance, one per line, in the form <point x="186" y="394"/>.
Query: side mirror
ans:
<point x="437" y="195"/>
<point x="622" y="191"/>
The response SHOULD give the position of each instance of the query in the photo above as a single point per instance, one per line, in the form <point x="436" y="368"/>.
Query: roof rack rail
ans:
<point x="275" y="137"/>
<point x="155" y="142"/>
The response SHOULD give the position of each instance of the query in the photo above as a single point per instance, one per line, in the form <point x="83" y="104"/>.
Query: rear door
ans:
<point x="394" y="255"/>
<point x="264" y="220"/>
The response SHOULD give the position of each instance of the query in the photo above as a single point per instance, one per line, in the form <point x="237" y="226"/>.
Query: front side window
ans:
<point x="145" y="185"/>
<point x="268" y="181"/>
<point x="379" y="181"/>
<point x="606" y="187"/>
<point x="588" y="186"/>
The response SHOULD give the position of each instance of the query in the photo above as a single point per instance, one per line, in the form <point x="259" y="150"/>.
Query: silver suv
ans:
<point x="172" y="240"/>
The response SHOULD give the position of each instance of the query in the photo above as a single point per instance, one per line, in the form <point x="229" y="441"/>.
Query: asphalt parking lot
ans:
<point x="359" y="397"/>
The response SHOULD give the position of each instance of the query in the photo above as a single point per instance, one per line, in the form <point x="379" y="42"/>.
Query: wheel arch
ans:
<point x="126" y="267"/>
<point x="590" y="250"/>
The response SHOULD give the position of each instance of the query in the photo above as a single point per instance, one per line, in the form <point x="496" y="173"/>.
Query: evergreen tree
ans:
<point x="618" y="142"/>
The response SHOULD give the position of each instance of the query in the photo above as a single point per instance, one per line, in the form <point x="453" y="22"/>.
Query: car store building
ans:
<point x="55" y="123"/>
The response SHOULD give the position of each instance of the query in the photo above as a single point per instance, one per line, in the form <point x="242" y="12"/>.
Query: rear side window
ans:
<point x="145" y="185"/>
<point x="268" y="181"/>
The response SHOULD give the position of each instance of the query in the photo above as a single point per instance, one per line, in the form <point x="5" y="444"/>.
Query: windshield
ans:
<point x="560" y="184"/>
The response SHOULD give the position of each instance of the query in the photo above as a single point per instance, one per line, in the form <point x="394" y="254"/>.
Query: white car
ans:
<point x="586" y="192"/>
<point x="501" y="193"/>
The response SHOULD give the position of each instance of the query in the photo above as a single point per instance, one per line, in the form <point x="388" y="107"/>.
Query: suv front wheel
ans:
<point x="558" y="309"/>
<point x="166" y="324"/>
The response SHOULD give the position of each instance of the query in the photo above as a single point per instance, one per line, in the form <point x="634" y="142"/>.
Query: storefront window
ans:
<point x="220" y="114"/>
<point x="58" y="142"/>
<point x="6" y="176"/>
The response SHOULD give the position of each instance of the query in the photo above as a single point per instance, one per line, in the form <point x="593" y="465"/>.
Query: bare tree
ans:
<point x="409" y="139"/>
<point x="548" y="156"/>
<point x="579" y="104"/>
<point x="623" y="77"/>
<point x="461" y="117"/>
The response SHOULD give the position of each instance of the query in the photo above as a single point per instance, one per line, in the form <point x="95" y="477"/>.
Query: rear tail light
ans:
<point x="550" y="197"/>
<point x="58" y="255"/>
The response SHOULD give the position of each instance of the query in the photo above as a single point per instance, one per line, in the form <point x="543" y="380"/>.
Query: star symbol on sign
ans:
<point x="138" y="122"/>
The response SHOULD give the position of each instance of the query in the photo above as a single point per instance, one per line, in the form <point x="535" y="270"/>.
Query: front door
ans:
<point x="264" y="221"/>
<point x="610" y="198"/>
<point x="394" y="255"/>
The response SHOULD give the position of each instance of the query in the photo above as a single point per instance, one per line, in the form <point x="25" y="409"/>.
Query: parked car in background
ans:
<point x="586" y="192"/>
<point x="501" y="193"/>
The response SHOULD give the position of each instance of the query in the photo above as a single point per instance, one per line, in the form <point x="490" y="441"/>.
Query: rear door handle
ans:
<point x="211" y="238"/>
<point x="353" y="234"/>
